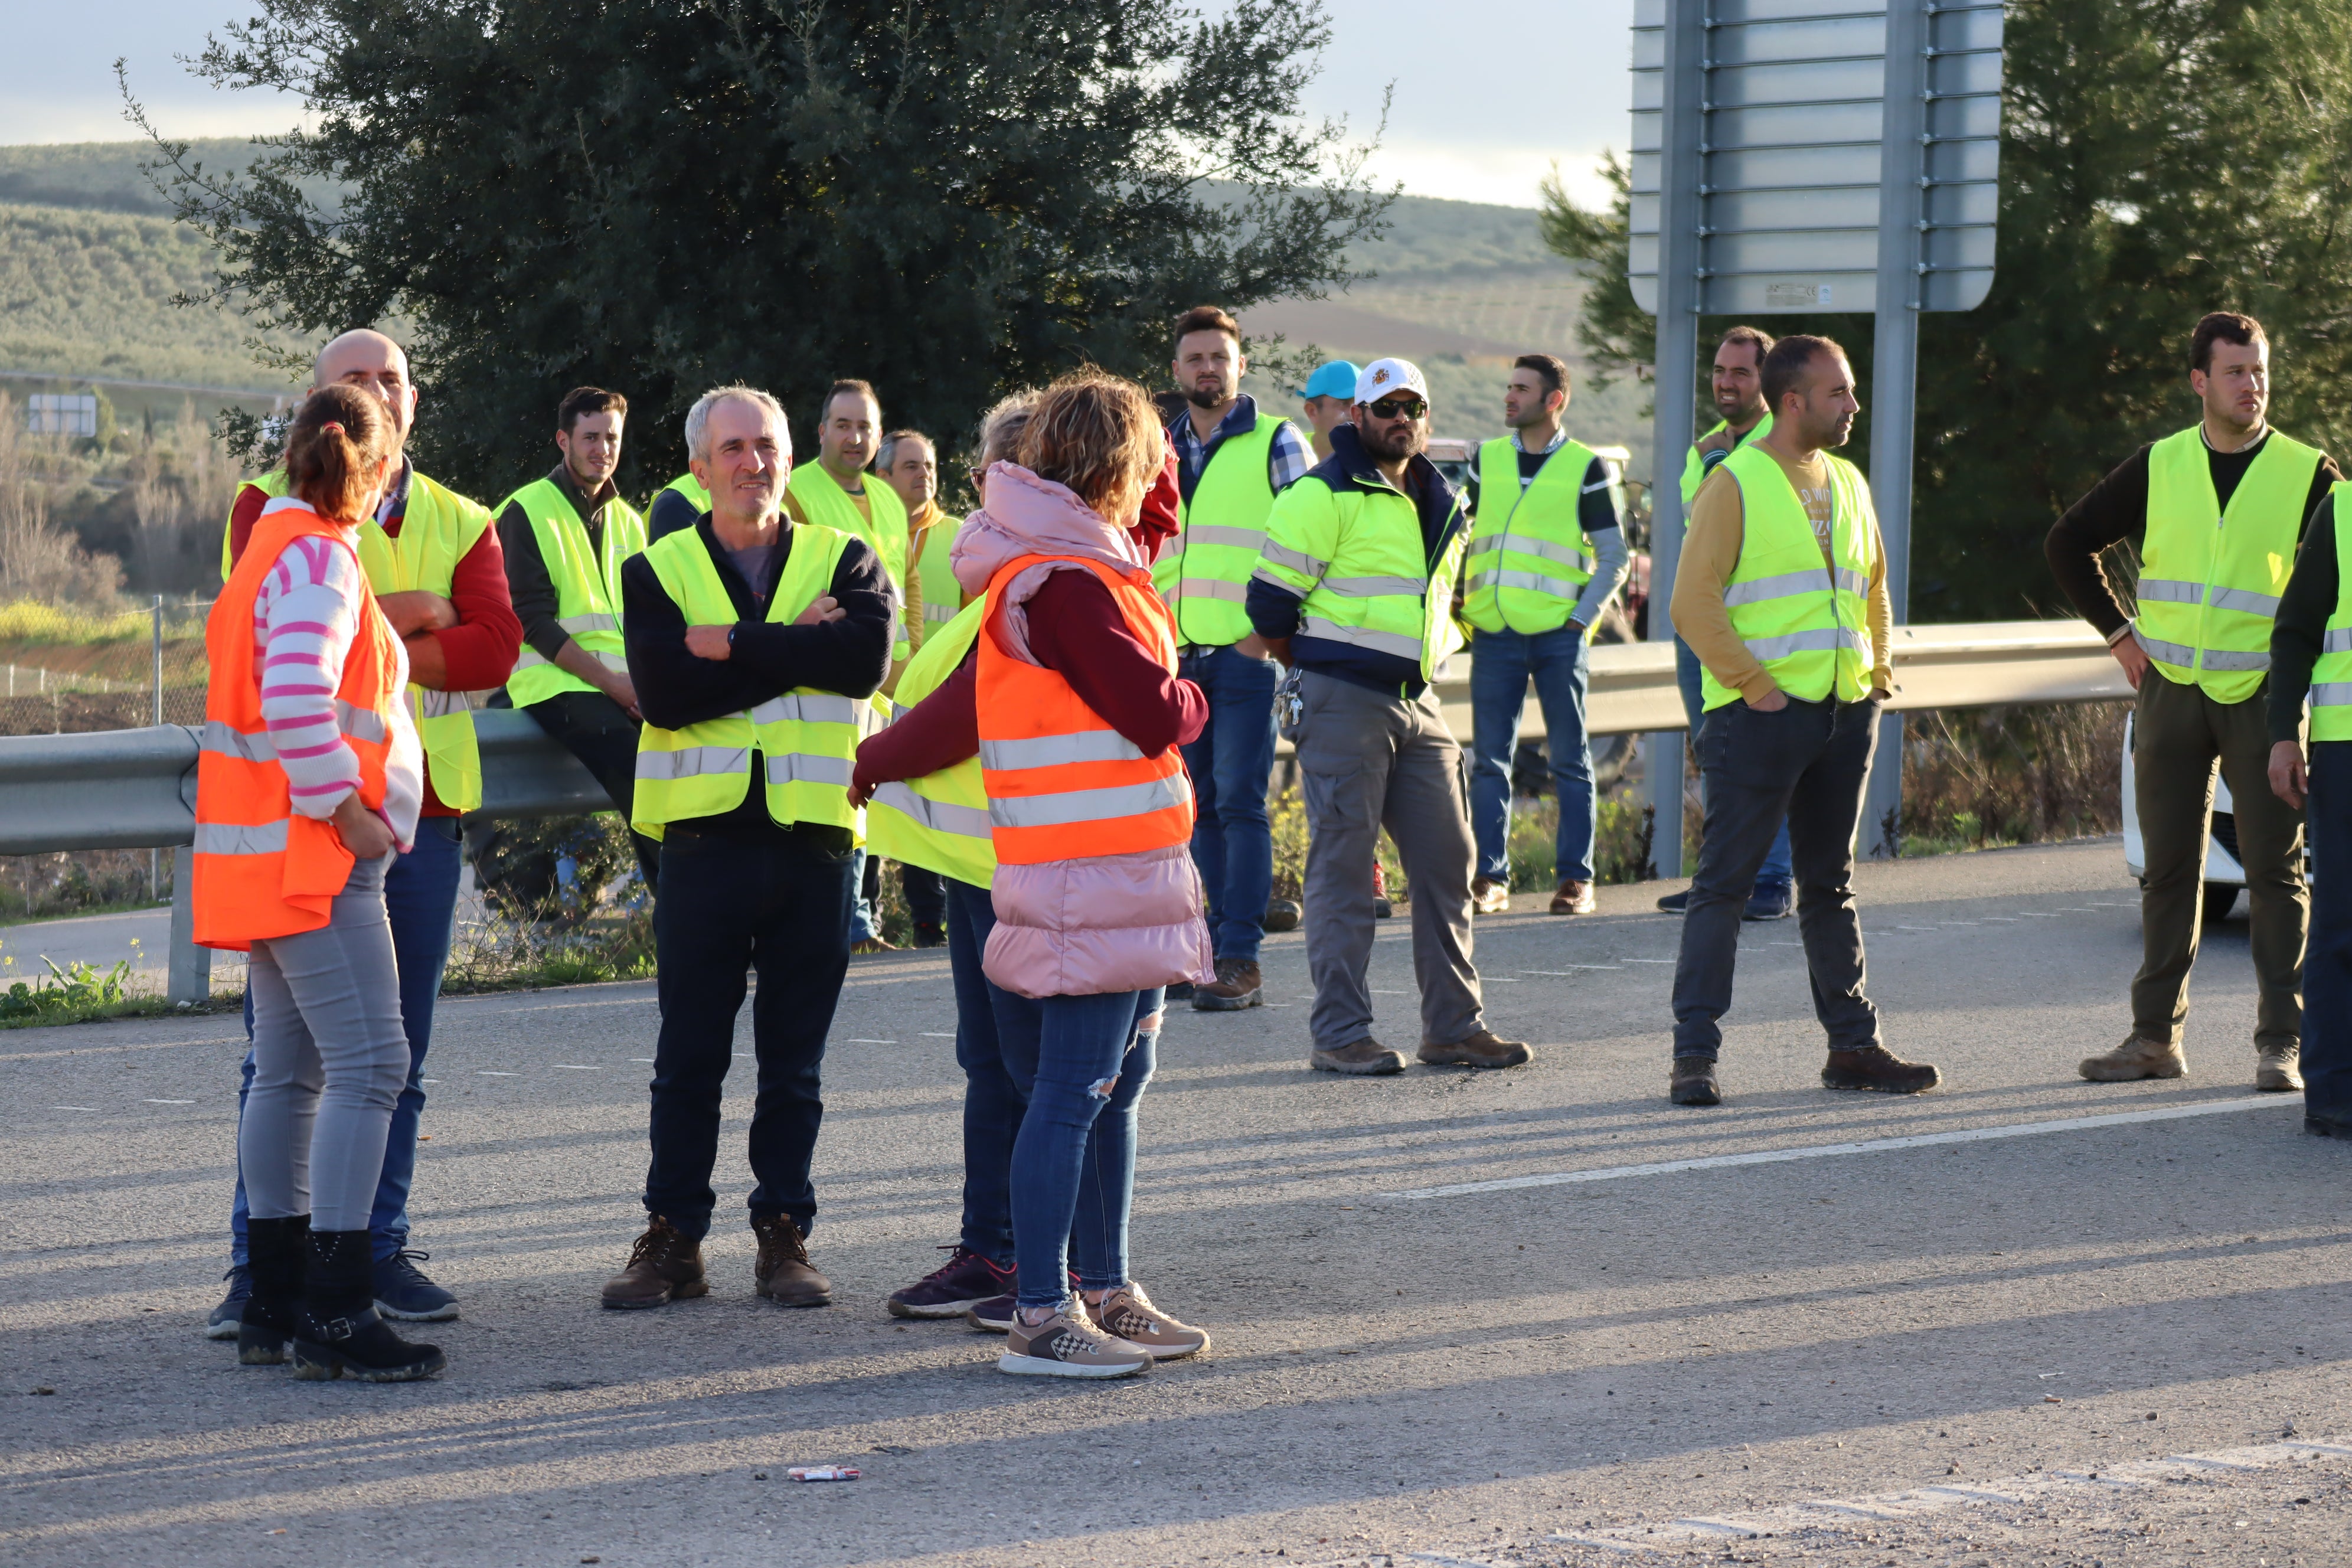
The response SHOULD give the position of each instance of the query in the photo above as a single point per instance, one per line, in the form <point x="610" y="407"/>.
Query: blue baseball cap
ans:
<point x="1337" y="379"/>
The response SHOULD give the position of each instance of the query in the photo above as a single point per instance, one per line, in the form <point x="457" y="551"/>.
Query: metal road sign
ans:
<point x="1783" y="148"/>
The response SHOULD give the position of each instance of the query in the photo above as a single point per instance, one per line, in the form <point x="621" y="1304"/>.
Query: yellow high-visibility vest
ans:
<point x="1204" y="573"/>
<point x="587" y="585"/>
<point x="1808" y="622"/>
<point x="939" y="821"/>
<point x="823" y="502"/>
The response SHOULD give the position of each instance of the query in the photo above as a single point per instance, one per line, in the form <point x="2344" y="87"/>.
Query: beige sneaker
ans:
<point x="1069" y="1344"/>
<point x="1129" y="1314"/>
<point x="1488" y="897"/>
<point x="2278" y="1068"/>
<point x="2136" y="1058"/>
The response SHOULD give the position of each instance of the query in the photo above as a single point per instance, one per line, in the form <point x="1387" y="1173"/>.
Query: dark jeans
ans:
<point x="594" y="729"/>
<point x="1081" y="1064"/>
<point x="1775" y="871"/>
<point x="1231" y="765"/>
<point x="992" y="1104"/>
<point x="1804" y="766"/>
<point x="420" y="896"/>
<point x="927" y="897"/>
<point x="2327" y="962"/>
<point x="1501" y="666"/>
<point x="778" y="902"/>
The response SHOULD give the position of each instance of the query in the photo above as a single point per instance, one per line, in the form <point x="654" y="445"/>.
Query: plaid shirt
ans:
<point x="1285" y="462"/>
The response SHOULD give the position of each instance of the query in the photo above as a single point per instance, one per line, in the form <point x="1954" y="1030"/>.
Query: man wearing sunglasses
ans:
<point x="1354" y="590"/>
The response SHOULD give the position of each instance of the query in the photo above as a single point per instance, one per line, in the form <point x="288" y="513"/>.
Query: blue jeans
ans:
<point x="1231" y="765"/>
<point x="1501" y="665"/>
<point x="991" y="1102"/>
<point x="1775" y="871"/>
<point x="420" y="896"/>
<point x="2327" y="962"/>
<point x="861" y="907"/>
<point x="1081" y="1064"/>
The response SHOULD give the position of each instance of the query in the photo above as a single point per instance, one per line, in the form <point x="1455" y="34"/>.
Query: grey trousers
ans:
<point x="1370" y="760"/>
<point x="329" y="1059"/>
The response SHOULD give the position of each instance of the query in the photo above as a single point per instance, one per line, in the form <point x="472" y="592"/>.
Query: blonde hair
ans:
<point x="1099" y="434"/>
<point x="335" y="451"/>
<point x="999" y="427"/>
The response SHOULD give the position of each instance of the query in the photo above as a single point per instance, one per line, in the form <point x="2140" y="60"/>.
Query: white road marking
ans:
<point x="1827" y="1151"/>
<point x="939" y="1034"/>
<point x="856" y="1041"/>
<point x="73" y="1108"/>
<point x="573" y="1067"/>
<point x="1665" y="961"/>
<point x="647" y="1060"/>
<point x="486" y="1072"/>
<point x="167" y="1102"/>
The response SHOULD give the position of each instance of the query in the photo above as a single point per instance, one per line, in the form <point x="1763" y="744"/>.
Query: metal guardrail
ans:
<point x="136" y="789"/>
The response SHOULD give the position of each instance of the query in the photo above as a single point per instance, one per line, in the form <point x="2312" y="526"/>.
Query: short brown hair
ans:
<point x="2222" y="327"/>
<point x="1551" y="369"/>
<point x="582" y="400"/>
<point x="1099" y="434"/>
<point x="1207" y="318"/>
<point x="864" y="389"/>
<point x="1757" y="337"/>
<point x="1788" y="360"/>
<point x="339" y="437"/>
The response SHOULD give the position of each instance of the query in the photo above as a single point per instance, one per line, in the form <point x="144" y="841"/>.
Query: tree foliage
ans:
<point x="2159" y="159"/>
<point x="945" y="197"/>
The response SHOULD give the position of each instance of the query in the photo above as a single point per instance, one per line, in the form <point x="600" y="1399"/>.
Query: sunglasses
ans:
<point x="1399" y="407"/>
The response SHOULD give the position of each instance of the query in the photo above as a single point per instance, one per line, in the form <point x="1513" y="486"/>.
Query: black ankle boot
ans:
<point x="277" y="1252"/>
<point x="337" y="1330"/>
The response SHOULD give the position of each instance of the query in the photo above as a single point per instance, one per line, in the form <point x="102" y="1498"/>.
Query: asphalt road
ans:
<point x="2055" y="1323"/>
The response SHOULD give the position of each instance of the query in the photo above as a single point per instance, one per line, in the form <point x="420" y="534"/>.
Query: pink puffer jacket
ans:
<point x="1074" y="928"/>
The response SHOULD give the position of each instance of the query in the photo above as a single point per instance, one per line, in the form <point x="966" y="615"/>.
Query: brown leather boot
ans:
<point x="1238" y="985"/>
<point x="1574" y="898"/>
<point x="1482" y="1049"/>
<point x="784" y="1273"/>
<point x="1876" y="1068"/>
<point x="664" y="1266"/>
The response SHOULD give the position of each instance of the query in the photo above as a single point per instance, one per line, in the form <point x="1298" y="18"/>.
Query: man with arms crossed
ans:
<point x="2220" y="506"/>
<point x="1782" y="591"/>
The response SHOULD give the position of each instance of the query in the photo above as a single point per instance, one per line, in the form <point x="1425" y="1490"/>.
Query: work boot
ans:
<point x="1489" y="897"/>
<point x="1366" y="1058"/>
<point x="662" y="1266"/>
<point x="784" y="1273"/>
<point x="1480" y="1050"/>
<point x="2136" y="1058"/>
<point x="1281" y="914"/>
<point x="1875" y="1067"/>
<point x="1573" y="897"/>
<point x="279" y="1255"/>
<point x="1693" y="1082"/>
<point x="2278" y="1068"/>
<point x="338" y="1333"/>
<point x="1237" y="986"/>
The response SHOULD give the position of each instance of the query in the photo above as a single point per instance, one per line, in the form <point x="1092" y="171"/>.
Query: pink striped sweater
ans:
<point x="304" y="619"/>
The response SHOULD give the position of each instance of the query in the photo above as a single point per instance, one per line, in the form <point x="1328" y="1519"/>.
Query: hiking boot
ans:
<point x="1878" y="1067"/>
<point x="1237" y="986"/>
<point x="1489" y="897"/>
<point x="784" y="1273"/>
<point x="2277" y="1069"/>
<point x="1573" y="897"/>
<point x="1770" y="903"/>
<point x="1129" y="1314"/>
<point x="279" y="1254"/>
<point x="338" y="1333"/>
<point x="952" y="1289"/>
<point x="1693" y="1082"/>
<point x="664" y="1266"/>
<point x="1067" y="1344"/>
<point x="1675" y="904"/>
<point x="2136" y="1058"/>
<point x="1480" y="1050"/>
<point x="404" y="1293"/>
<point x="995" y="1314"/>
<point x="1366" y="1058"/>
<point x="1281" y="914"/>
<point x="222" y="1324"/>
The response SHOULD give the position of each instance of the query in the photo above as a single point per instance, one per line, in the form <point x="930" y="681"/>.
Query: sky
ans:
<point x="1454" y="130"/>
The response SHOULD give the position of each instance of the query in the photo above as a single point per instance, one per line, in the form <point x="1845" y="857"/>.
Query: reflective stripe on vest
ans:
<point x="938" y="821"/>
<point x="1806" y="621"/>
<point x="587" y="582"/>
<point x="1204" y="573"/>
<point x="1528" y="559"/>
<point x="823" y="502"/>
<point x="2331" y="673"/>
<point x="1379" y="590"/>
<point x="1062" y="785"/>
<point x="1695" y="469"/>
<point x="807" y="736"/>
<point x="2211" y="577"/>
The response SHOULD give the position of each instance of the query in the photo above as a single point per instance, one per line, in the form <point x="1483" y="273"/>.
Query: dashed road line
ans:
<point x="485" y="1072"/>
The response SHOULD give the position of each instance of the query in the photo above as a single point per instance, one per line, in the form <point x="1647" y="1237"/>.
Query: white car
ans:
<point x="2225" y="879"/>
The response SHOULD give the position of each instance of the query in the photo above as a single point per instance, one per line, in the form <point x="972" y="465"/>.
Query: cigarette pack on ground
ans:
<point x="823" y="1473"/>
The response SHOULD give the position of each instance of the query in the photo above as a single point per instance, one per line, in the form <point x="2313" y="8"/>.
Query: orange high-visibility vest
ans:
<point x="262" y="869"/>
<point x="1062" y="783"/>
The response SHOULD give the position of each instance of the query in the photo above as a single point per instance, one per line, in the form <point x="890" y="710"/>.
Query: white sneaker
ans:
<point x="1069" y="1344"/>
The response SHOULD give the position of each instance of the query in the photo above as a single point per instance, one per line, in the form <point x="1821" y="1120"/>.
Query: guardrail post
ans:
<point x="190" y="975"/>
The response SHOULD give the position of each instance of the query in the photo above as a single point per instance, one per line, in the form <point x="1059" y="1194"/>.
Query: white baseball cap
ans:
<point x="1384" y="376"/>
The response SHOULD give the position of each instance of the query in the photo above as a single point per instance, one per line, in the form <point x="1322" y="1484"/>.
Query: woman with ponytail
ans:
<point x="309" y="783"/>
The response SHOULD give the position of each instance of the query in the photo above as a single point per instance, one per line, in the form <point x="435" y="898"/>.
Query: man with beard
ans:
<point x="1782" y="591"/>
<point x="1231" y="462"/>
<point x="1354" y="590"/>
